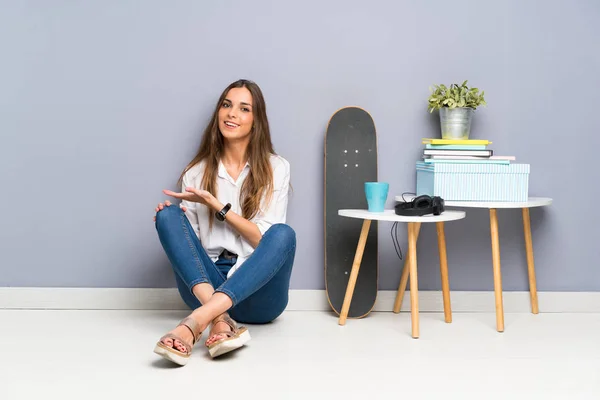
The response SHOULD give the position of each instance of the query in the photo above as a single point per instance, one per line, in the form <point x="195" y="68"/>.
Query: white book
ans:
<point x="510" y="158"/>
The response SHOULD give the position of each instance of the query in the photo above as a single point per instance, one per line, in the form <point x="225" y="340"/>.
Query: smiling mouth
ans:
<point x="231" y="124"/>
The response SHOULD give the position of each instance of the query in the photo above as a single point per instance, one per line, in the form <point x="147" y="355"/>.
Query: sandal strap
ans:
<point x="193" y="326"/>
<point x="226" y="319"/>
<point x="188" y="346"/>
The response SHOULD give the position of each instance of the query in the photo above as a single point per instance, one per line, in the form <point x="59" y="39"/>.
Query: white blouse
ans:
<point x="223" y="236"/>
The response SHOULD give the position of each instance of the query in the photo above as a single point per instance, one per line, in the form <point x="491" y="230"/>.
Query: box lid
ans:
<point x="458" y="168"/>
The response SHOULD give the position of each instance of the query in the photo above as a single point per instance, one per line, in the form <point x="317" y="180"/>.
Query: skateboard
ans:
<point x="350" y="161"/>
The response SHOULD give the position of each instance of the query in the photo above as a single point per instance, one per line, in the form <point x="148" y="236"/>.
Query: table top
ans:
<point x="390" y="215"/>
<point x="531" y="202"/>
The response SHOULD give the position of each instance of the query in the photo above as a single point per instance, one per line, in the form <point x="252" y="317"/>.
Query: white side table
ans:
<point x="493" y="206"/>
<point x="414" y="225"/>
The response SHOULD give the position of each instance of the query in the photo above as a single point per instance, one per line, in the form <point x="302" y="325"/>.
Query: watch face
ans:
<point x="221" y="214"/>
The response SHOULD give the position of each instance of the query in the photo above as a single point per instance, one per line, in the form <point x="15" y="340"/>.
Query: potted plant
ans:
<point x="456" y="105"/>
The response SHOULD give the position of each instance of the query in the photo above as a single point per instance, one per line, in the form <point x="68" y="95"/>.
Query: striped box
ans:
<point x="473" y="182"/>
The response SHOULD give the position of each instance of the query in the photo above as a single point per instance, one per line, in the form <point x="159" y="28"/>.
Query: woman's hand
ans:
<point x="195" y="195"/>
<point x="167" y="204"/>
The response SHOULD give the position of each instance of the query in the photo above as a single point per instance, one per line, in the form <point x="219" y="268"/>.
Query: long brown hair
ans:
<point x="260" y="148"/>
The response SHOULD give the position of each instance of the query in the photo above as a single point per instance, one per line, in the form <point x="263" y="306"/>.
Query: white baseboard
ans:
<point x="300" y="300"/>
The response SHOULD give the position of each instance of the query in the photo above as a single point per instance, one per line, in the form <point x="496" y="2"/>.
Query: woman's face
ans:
<point x="235" y="115"/>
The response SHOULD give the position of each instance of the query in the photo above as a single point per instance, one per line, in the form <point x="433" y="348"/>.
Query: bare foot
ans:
<point x="218" y="327"/>
<point x="185" y="334"/>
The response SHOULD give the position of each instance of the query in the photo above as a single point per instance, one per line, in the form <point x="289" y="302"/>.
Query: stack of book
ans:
<point x="467" y="151"/>
<point x="468" y="170"/>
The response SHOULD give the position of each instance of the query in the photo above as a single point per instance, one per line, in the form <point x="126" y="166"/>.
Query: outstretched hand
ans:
<point x="193" y="195"/>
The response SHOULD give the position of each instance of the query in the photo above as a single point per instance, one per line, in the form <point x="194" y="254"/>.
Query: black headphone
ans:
<point x="421" y="205"/>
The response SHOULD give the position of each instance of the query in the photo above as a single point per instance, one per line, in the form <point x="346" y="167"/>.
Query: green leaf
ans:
<point x="454" y="95"/>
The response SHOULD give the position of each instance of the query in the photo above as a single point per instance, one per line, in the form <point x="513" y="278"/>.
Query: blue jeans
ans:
<point x="258" y="289"/>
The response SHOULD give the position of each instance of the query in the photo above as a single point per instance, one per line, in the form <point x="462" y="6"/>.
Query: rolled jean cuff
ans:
<point x="230" y="294"/>
<point x="196" y="282"/>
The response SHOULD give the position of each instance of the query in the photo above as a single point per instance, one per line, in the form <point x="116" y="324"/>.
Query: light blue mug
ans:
<point x="376" y="193"/>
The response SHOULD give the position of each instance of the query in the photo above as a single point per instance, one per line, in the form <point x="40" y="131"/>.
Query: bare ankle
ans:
<point x="203" y="292"/>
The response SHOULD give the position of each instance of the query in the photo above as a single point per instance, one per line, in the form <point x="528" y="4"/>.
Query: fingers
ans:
<point x="194" y="190"/>
<point x="167" y="203"/>
<point x="160" y="207"/>
<point x="174" y="194"/>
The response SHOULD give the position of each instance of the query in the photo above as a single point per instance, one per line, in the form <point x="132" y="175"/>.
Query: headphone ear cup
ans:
<point x="438" y="205"/>
<point x="423" y="201"/>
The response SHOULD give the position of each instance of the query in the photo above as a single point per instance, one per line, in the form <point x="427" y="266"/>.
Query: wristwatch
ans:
<point x="220" y="215"/>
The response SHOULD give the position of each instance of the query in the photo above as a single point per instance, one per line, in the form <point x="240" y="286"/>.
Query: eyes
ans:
<point x="228" y="105"/>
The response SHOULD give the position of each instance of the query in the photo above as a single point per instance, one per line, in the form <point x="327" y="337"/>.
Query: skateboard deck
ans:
<point x="350" y="161"/>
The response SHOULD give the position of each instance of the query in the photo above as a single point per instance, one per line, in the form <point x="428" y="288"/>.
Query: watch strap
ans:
<point x="220" y="215"/>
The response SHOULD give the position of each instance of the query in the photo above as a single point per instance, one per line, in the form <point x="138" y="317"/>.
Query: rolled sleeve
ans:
<point x="276" y="211"/>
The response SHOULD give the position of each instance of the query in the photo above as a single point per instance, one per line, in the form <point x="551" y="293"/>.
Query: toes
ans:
<point x="215" y="338"/>
<point x="179" y="346"/>
<point x="175" y="344"/>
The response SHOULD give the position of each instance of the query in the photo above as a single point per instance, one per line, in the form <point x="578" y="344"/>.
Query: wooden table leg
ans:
<point x="404" y="277"/>
<point x="496" y="268"/>
<point x="414" y="285"/>
<point x="444" y="271"/>
<point x="354" y="273"/>
<point x="530" y="264"/>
